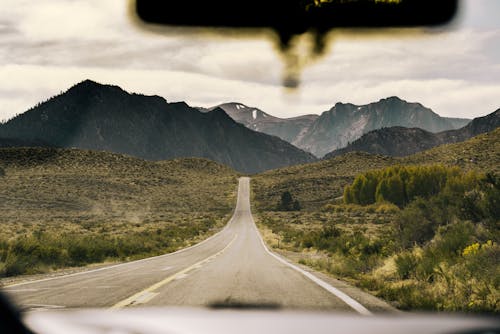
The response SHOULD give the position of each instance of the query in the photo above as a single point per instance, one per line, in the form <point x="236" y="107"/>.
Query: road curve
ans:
<point x="233" y="266"/>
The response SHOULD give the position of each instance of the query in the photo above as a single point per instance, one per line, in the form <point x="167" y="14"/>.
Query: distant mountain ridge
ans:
<point x="346" y="122"/>
<point x="103" y="117"/>
<point x="342" y="124"/>
<point x="289" y="129"/>
<point x="400" y="141"/>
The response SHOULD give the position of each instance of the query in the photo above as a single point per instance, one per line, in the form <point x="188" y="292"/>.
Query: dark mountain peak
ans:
<point x="339" y="108"/>
<point x="393" y="99"/>
<point x="218" y="111"/>
<point x="342" y="105"/>
<point x="180" y="104"/>
<point x="87" y="82"/>
<point x="397" y="102"/>
<point x="87" y="88"/>
<point x="88" y="85"/>
<point x="219" y="114"/>
<point x="91" y="89"/>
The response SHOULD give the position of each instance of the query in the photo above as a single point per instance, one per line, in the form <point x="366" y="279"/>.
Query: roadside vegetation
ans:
<point x="420" y="234"/>
<point x="65" y="208"/>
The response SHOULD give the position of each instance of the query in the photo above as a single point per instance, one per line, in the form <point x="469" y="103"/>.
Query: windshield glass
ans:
<point x="176" y="167"/>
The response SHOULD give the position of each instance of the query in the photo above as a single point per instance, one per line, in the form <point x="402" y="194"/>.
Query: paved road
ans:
<point x="233" y="266"/>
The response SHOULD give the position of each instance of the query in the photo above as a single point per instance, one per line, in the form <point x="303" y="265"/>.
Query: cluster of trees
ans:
<point x="430" y="198"/>
<point x="401" y="184"/>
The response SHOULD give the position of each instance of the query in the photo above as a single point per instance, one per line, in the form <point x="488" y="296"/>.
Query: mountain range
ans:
<point x="400" y="141"/>
<point x="342" y="124"/>
<point x="103" y="117"/>
<point x="100" y="117"/>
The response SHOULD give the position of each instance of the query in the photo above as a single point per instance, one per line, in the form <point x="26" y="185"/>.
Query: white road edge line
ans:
<point x="341" y="295"/>
<point x="121" y="264"/>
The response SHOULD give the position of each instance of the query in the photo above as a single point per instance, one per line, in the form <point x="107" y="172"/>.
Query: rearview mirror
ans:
<point x="289" y="17"/>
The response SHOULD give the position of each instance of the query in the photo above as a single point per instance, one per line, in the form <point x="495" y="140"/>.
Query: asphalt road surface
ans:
<point x="232" y="267"/>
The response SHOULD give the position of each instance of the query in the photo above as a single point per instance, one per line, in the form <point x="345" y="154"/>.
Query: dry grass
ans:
<point x="108" y="196"/>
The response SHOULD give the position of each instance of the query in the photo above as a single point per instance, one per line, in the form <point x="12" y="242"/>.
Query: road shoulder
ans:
<point x="369" y="301"/>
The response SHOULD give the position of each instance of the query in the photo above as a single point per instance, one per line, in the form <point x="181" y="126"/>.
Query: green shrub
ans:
<point x="452" y="239"/>
<point x="413" y="226"/>
<point x="387" y="208"/>
<point x="41" y="251"/>
<point x="406" y="264"/>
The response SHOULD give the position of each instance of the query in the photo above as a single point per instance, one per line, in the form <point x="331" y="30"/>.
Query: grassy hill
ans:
<point x="481" y="153"/>
<point x="319" y="183"/>
<point x="62" y="197"/>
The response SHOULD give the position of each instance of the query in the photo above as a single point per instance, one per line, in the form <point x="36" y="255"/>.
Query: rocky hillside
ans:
<point x="399" y="141"/>
<point x="346" y="122"/>
<point x="289" y="129"/>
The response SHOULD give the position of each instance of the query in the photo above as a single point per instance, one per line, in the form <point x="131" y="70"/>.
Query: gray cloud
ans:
<point x="48" y="45"/>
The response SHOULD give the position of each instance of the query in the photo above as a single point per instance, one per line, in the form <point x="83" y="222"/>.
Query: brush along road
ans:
<point x="233" y="267"/>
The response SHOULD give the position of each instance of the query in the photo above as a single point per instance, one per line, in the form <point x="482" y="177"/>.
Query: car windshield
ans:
<point x="144" y="166"/>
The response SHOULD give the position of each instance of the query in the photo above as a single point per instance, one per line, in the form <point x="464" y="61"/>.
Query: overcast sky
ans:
<point x="46" y="46"/>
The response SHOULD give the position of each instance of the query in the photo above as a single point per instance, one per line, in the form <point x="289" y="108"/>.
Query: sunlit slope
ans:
<point x="319" y="183"/>
<point x="481" y="153"/>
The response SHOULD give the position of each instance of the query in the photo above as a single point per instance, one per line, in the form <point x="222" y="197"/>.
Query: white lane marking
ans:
<point x="145" y="297"/>
<point x="166" y="268"/>
<point x="23" y="290"/>
<point x="178" y="277"/>
<point x="44" y="306"/>
<point x="341" y="295"/>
